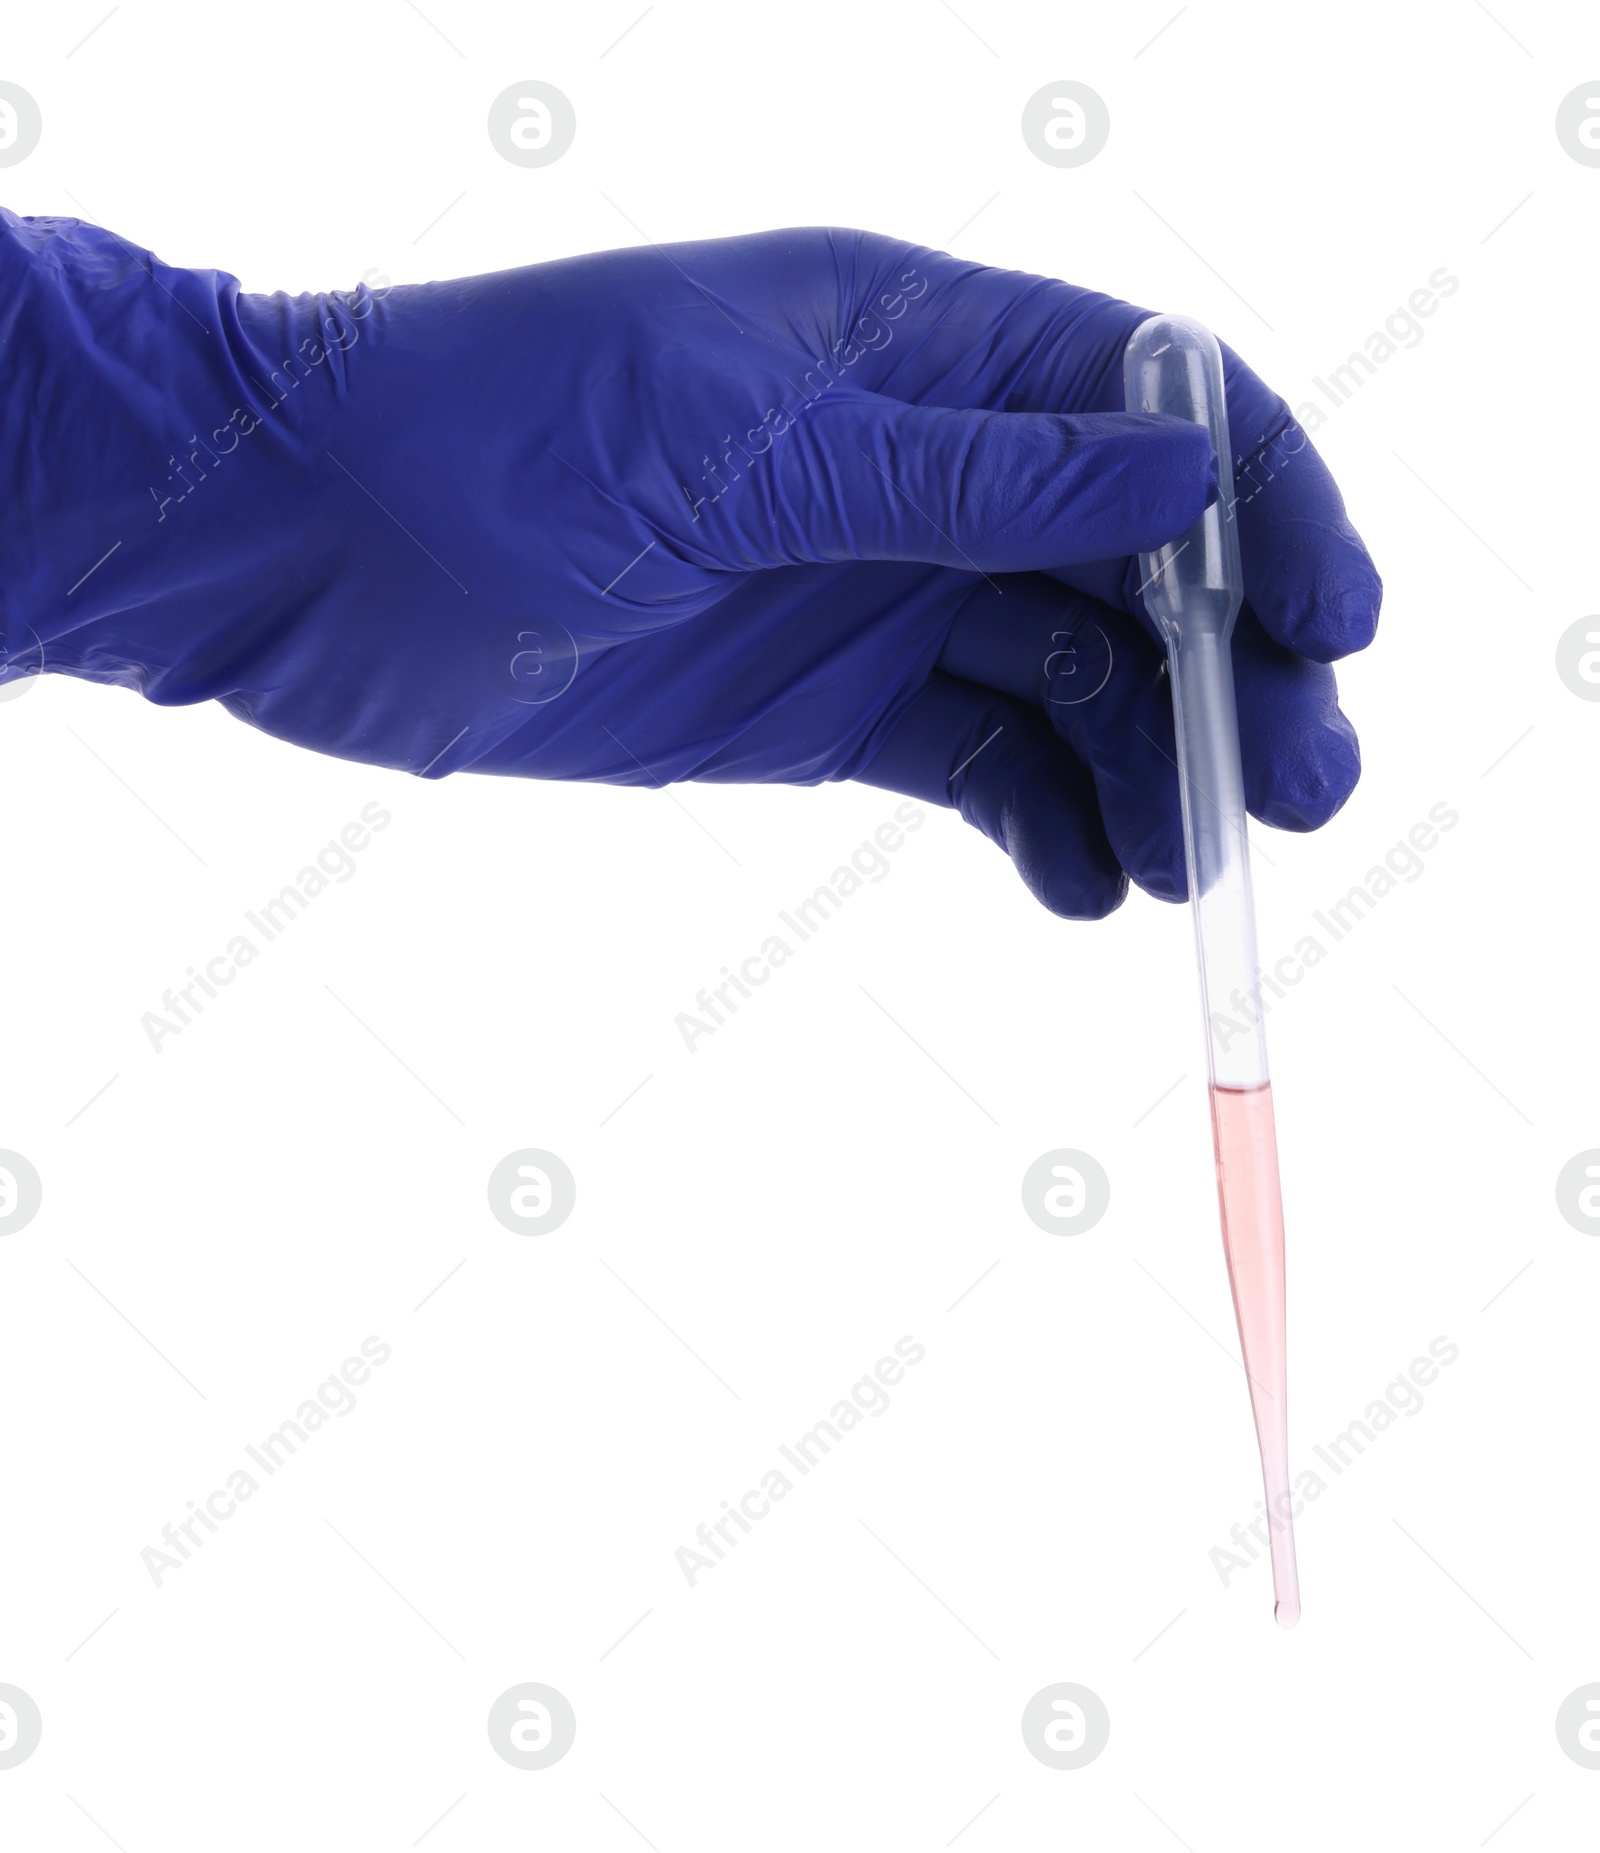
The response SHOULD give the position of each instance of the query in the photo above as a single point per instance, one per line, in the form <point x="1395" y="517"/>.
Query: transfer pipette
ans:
<point x="1192" y="588"/>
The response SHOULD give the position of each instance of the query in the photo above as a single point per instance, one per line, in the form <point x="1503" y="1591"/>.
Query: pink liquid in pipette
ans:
<point x="1252" y="1238"/>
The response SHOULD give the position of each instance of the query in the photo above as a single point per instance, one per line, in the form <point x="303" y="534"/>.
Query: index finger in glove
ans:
<point x="981" y="337"/>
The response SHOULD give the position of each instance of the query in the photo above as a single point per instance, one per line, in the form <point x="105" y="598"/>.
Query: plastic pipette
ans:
<point x="1192" y="588"/>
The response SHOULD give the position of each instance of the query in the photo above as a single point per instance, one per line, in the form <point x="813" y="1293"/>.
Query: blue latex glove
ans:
<point x="806" y="505"/>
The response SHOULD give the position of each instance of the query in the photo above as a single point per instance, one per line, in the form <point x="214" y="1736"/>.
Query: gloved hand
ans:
<point x="805" y="505"/>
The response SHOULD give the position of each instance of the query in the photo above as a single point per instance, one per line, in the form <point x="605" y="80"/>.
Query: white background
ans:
<point x="1040" y="1501"/>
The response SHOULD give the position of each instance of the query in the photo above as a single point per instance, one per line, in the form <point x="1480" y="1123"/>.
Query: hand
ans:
<point x="800" y="506"/>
